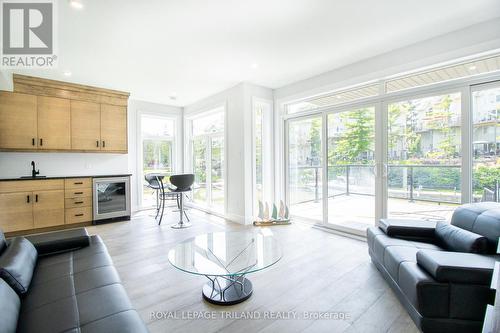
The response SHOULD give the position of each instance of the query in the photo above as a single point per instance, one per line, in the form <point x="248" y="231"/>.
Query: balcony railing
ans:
<point x="415" y="182"/>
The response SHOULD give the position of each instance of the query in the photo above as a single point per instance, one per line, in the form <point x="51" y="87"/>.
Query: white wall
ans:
<point x="238" y="103"/>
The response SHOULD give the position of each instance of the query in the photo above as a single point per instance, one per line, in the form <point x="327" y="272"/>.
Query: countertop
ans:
<point x="64" y="177"/>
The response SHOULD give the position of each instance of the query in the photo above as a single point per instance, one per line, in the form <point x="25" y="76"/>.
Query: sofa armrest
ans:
<point x="416" y="230"/>
<point x="457" y="267"/>
<point x="60" y="241"/>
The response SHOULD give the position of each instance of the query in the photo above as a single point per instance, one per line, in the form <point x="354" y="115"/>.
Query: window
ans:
<point x="157" y="135"/>
<point x="486" y="144"/>
<point x="424" y="157"/>
<point x="262" y="146"/>
<point x="206" y="133"/>
<point x="379" y="151"/>
<point x="337" y="98"/>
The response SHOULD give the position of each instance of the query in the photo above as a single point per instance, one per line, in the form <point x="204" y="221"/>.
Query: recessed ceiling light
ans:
<point x="471" y="68"/>
<point x="76" y="4"/>
<point x="255" y="65"/>
<point x="67" y="73"/>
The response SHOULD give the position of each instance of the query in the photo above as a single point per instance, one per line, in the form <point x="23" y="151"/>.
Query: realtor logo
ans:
<point x="28" y="34"/>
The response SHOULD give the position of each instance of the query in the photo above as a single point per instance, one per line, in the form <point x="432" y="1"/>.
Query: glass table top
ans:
<point x="230" y="253"/>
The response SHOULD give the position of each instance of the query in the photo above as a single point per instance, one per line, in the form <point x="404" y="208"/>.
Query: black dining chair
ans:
<point x="181" y="184"/>
<point x="154" y="182"/>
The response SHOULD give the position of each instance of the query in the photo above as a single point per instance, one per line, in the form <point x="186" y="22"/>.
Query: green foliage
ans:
<point x="486" y="176"/>
<point x="315" y="135"/>
<point x="357" y="138"/>
<point x="426" y="177"/>
<point x="199" y="152"/>
<point x="157" y="155"/>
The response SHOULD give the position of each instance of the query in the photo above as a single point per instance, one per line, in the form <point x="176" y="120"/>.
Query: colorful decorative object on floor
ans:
<point x="276" y="219"/>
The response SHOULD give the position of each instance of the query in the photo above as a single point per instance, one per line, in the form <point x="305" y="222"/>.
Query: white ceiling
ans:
<point x="196" y="48"/>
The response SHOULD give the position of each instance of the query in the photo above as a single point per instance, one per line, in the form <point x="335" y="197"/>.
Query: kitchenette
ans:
<point x="62" y="124"/>
<point x="36" y="204"/>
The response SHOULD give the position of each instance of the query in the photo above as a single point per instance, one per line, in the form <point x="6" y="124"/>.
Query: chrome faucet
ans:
<point x="33" y="171"/>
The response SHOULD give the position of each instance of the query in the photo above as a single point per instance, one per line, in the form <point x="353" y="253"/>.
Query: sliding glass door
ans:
<point x="417" y="156"/>
<point x="351" y="162"/>
<point x="305" y="168"/>
<point x="424" y="154"/>
<point x="485" y="102"/>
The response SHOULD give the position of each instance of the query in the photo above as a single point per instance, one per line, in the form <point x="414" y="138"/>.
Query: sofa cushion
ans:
<point x="468" y="268"/>
<point x="408" y="229"/>
<point x="3" y="242"/>
<point x="9" y="308"/>
<point x="395" y="255"/>
<point x="460" y="240"/>
<point x="59" y="241"/>
<point x="378" y="242"/>
<point x="481" y="218"/>
<point x="17" y="264"/>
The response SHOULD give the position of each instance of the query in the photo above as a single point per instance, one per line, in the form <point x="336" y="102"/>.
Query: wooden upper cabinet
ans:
<point x="85" y="125"/>
<point x="54" y="124"/>
<point x="18" y="121"/>
<point x="52" y="115"/>
<point x="113" y="128"/>
<point x="48" y="208"/>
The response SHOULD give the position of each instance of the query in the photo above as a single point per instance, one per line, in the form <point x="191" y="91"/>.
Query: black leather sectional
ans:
<point x="62" y="282"/>
<point x="441" y="272"/>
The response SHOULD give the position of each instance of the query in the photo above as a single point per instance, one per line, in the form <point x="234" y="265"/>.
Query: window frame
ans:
<point x="462" y="86"/>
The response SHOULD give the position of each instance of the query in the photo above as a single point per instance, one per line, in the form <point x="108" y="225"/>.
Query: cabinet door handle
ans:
<point x="78" y="183"/>
<point x="97" y="143"/>
<point x="81" y="214"/>
<point x="27" y="199"/>
<point x="78" y="202"/>
<point x="78" y="192"/>
<point x="33" y="141"/>
<point x="103" y="144"/>
<point x="36" y="197"/>
<point x="41" y="142"/>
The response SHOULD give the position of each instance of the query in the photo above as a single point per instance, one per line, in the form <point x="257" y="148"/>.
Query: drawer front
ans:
<point x="72" y="183"/>
<point x="78" y="192"/>
<point x="31" y="185"/>
<point x="78" y="202"/>
<point x="78" y="215"/>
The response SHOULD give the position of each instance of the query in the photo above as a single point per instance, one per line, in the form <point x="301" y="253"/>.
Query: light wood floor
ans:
<point x="319" y="273"/>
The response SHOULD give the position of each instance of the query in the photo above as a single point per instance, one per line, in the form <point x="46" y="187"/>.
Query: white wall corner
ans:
<point x="6" y="82"/>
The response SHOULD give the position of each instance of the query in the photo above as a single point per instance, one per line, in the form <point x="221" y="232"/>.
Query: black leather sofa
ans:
<point x="441" y="272"/>
<point x="62" y="282"/>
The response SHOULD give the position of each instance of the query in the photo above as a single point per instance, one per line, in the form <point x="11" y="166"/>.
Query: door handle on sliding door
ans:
<point x="380" y="170"/>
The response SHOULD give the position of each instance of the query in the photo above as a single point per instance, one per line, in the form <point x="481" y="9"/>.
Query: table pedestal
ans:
<point x="225" y="290"/>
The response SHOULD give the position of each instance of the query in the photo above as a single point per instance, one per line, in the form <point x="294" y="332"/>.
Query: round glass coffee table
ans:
<point x="225" y="258"/>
